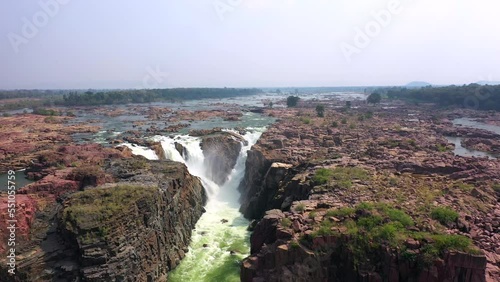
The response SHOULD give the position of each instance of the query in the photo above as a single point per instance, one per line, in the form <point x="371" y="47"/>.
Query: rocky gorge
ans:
<point x="105" y="224"/>
<point x="371" y="194"/>
<point x="98" y="213"/>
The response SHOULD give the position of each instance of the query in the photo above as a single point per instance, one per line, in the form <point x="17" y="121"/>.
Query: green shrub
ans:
<point x="294" y="244"/>
<point x="322" y="231"/>
<point x="345" y="175"/>
<point x="369" y="222"/>
<point x="342" y="175"/>
<point x="388" y="231"/>
<point x="312" y="214"/>
<point x="320" y="110"/>
<point x="444" y="215"/>
<point x="451" y="242"/>
<point x="374" y="98"/>
<point x="286" y="222"/>
<point x="393" y="181"/>
<point x="322" y="176"/>
<point x="292" y="101"/>
<point x="50" y="119"/>
<point x="335" y="124"/>
<point x="399" y="216"/>
<point x="344" y="183"/>
<point x="496" y="187"/>
<point x="305" y="120"/>
<point x="300" y="208"/>
<point x="464" y="186"/>
<point x="344" y="121"/>
<point x="439" y="244"/>
<point x="45" y="112"/>
<point x="342" y="212"/>
<point x="442" y="148"/>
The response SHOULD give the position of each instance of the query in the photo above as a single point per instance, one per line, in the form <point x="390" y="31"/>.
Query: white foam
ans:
<point x="141" y="151"/>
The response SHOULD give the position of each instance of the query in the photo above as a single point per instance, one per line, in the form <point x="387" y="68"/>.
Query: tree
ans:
<point x="292" y="101"/>
<point x="374" y="98"/>
<point x="348" y="104"/>
<point x="320" y="110"/>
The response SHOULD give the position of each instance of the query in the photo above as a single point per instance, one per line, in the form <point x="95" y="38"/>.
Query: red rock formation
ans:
<point x="403" y="157"/>
<point x="25" y="210"/>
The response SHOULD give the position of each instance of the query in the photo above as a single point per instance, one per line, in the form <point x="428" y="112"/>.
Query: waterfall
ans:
<point x="220" y="239"/>
<point x="141" y="151"/>
<point x="194" y="160"/>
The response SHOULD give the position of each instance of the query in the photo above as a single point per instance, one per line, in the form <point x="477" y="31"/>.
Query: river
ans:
<point x="220" y="239"/>
<point x="457" y="141"/>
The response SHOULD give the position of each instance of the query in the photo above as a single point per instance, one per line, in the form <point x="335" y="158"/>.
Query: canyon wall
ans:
<point x="320" y="192"/>
<point x="136" y="227"/>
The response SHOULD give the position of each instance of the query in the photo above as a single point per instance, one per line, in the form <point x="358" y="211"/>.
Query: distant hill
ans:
<point x="487" y="82"/>
<point x="418" y="84"/>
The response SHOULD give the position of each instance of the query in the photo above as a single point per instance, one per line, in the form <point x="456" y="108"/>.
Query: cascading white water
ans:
<point x="220" y="239"/>
<point x="141" y="151"/>
<point x="194" y="160"/>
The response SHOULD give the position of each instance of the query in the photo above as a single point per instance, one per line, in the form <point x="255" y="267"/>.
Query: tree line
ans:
<point x="482" y="97"/>
<point x="92" y="98"/>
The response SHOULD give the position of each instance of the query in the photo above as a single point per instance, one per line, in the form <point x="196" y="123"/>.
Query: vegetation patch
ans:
<point x="496" y="187"/>
<point x="305" y="120"/>
<point x="442" y="148"/>
<point x="364" y="231"/>
<point x="322" y="176"/>
<point x="342" y="212"/>
<point x="343" y="176"/>
<point x="300" y="208"/>
<point x="465" y="187"/>
<point x="286" y="222"/>
<point x="89" y="211"/>
<point x="312" y="214"/>
<point x="444" y="215"/>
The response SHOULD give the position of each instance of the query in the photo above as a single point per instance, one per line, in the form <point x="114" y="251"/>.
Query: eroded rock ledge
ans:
<point x="319" y="187"/>
<point x="135" y="228"/>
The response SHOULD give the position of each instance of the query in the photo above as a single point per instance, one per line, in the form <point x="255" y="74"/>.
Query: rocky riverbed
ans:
<point x="97" y="213"/>
<point x="371" y="194"/>
<point x="367" y="193"/>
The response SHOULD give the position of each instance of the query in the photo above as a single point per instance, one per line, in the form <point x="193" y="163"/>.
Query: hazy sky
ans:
<point x="243" y="43"/>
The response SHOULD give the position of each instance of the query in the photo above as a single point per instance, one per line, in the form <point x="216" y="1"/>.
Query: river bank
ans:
<point x="305" y="166"/>
<point x="313" y="183"/>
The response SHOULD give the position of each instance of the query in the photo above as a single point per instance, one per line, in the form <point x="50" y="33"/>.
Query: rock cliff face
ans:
<point x="221" y="151"/>
<point x="312" y="188"/>
<point x="269" y="184"/>
<point x="136" y="228"/>
<point x="276" y="256"/>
